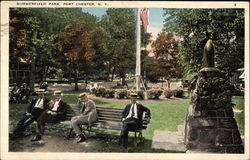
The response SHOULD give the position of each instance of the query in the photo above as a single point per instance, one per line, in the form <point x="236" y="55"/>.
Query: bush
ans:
<point x="168" y="93"/>
<point x="154" y="93"/>
<point x="179" y="93"/>
<point x="122" y="93"/>
<point x="100" y="92"/>
<point x="110" y="93"/>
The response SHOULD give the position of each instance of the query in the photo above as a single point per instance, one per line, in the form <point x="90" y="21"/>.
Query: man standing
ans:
<point x="54" y="114"/>
<point x="34" y="110"/>
<point x="88" y="116"/>
<point x="132" y="119"/>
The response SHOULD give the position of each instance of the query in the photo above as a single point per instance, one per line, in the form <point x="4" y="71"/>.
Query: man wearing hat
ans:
<point x="88" y="116"/>
<point x="34" y="110"/>
<point x="55" y="113"/>
<point x="132" y="119"/>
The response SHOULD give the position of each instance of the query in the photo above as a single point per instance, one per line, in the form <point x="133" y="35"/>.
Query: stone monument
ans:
<point x="210" y="125"/>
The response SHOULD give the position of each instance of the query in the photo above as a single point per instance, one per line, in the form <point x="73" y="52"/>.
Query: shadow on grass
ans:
<point x="109" y="143"/>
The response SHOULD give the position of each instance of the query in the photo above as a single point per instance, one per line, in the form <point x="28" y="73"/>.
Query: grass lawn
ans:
<point x="239" y="116"/>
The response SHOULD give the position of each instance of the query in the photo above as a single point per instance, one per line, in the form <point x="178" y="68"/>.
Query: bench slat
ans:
<point x="109" y="119"/>
<point x="118" y="113"/>
<point x="109" y="109"/>
<point x="110" y="115"/>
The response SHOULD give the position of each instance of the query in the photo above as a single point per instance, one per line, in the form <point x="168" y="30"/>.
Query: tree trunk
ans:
<point x="45" y="73"/>
<point x="162" y="82"/>
<point x="33" y="68"/>
<point x="113" y="72"/>
<point x="168" y="82"/>
<point x="76" y="81"/>
<point x="123" y="78"/>
<point x="109" y="71"/>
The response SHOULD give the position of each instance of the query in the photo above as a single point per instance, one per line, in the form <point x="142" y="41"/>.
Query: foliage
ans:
<point x="154" y="93"/>
<point x="166" y="62"/>
<point x="19" y="36"/>
<point x="100" y="91"/>
<point x="168" y="93"/>
<point x="179" y="93"/>
<point x="214" y="91"/>
<point x="110" y="93"/>
<point x="77" y="48"/>
<point x="33" y="32"/>
<point x="225" y="27"/>
<point x="118" y="41"/>
<point x="122" y="93"/>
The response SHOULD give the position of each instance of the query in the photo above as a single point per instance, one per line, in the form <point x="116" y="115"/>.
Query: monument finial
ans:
<point x="208" y="55"/>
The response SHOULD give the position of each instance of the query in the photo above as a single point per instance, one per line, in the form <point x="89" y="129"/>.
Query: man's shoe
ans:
<point x="15" y="136"/>
<point x="81" y="138"/>
<point x="36" y="138"/>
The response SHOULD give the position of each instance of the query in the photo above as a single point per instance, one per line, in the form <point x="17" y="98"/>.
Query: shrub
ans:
<point x="122" y="93"/>
<point x="168" y="93"/>
<point x="179" y="93"/>
<point x="110" y="93"/>
<point x="154" y="93"/>
<point x="100" y="92"/>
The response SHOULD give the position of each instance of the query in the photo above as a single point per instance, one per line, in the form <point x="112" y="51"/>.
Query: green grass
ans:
<point x="239" y="102"/>
<point x="239" y="105"/>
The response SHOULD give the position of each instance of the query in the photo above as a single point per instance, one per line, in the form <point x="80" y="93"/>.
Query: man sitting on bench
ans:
<point x="132" y="119"/>
<point x="55" y="113"/>
<point x="34" y="110"/>
<point x="88" y="116"/>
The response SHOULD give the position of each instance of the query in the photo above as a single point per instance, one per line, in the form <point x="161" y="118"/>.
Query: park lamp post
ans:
<point x="138" y="51"/>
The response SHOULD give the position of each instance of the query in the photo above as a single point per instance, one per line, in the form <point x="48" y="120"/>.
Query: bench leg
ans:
<point x="68" y="136"/>
<point x="141" y="139"/>
<point x="135" y="140"/>
<point x="89" y="129"/>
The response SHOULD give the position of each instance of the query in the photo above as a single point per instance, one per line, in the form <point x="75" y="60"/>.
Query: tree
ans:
<point x="225" y="27"/>
<point x="33" y="32"/>
<point x="118" y="40"/>
<point x="166" y="62"/>
<point x="76" y="46"/>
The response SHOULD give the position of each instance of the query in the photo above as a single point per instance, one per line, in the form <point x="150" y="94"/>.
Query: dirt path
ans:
<point x="55" y="143"/>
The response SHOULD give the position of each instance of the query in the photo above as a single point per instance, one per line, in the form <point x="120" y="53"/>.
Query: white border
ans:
<point x="5" y="5"/>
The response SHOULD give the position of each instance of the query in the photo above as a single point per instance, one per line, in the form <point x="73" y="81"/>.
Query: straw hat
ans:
<point x="40" y="91"/>
<point x="82" y="95"/>
<point x="57" y="92"/>
<point x="133" y="95"/>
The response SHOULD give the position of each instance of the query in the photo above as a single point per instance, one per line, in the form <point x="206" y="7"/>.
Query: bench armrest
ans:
<point x="145" y="117"/>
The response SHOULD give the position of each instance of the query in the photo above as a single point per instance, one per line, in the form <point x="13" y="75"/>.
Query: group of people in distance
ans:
<point x="45" y="111"/>
<point x="19" y="94"/>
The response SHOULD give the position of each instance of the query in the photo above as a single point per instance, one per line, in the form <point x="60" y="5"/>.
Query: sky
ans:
<point x="155" y="18"/>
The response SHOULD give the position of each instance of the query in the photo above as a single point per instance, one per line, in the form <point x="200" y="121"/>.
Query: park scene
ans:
<point x="179" y="74"/>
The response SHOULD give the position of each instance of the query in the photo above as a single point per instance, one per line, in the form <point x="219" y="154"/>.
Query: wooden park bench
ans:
<point x="108" y="119"/>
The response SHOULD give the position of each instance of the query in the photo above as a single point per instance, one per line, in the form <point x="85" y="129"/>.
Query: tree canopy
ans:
<point x="225" y="27"/>
<point x="166" y="62"/>
<point x="66" y="40"/>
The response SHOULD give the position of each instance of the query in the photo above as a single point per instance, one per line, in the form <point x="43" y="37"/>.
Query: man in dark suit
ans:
<point x="34" y="110"/>
<point x="132" y="119"/>
<point x="55" y="113"/>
